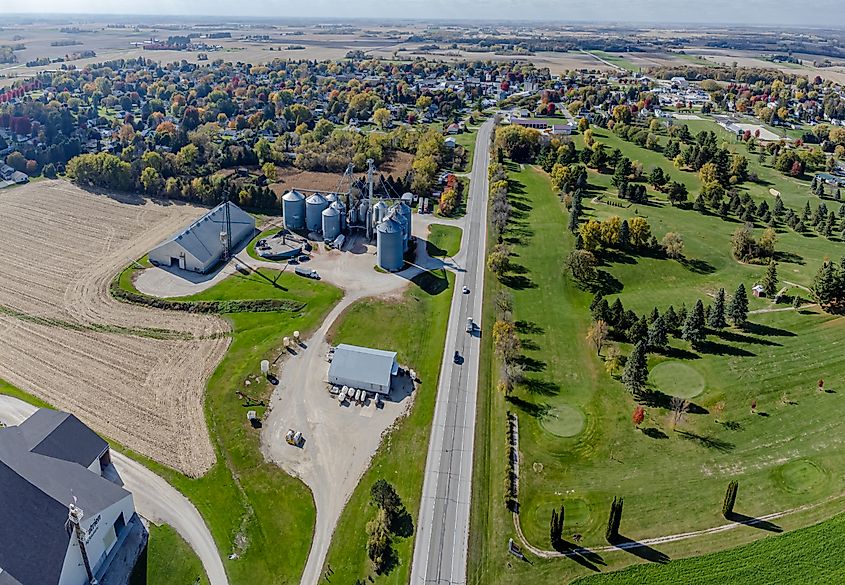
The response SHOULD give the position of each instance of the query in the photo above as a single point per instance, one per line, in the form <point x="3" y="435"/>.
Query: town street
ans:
<point x="440" y="549"/>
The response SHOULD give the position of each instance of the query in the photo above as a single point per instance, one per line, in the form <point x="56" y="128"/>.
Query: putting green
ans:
<point x="576" y="514"/>
<point x="800" y="476"/>
<point x="564" y="421"/>
<point x="677" y="379"/>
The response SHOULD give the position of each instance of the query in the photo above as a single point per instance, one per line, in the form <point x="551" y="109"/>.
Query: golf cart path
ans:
<point x="550" y="554"/>
<point x="155" y="499"/>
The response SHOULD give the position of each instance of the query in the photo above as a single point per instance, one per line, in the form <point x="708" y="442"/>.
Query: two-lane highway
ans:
<point x="440" y="549"/>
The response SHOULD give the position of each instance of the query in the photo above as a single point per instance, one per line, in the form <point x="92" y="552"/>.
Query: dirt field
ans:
<point x="134" y="374"/>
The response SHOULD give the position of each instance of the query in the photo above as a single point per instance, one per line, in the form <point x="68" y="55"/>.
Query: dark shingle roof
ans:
<point x="36" y="489"/>
<point x="62" y="436"/>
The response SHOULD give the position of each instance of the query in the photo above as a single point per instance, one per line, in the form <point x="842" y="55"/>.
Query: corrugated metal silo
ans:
<point x="293" y="209"/>
<point x="379" y="211"/>
<point x="331" y="223"/>
<point x="396" y="212"/>
<point x="331" y="197"/>
<point x="341" y="208"/>
<point x="407" y="213"/>
<point x="389" y="244"/>
<point x="314" y="207"/>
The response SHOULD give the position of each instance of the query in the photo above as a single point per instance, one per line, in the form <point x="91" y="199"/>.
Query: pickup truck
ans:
<point x="307" y="273"/>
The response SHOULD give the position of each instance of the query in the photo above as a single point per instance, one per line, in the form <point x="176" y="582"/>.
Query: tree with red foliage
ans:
<point x="797" y="169"/>
<point x="638" y="416"/>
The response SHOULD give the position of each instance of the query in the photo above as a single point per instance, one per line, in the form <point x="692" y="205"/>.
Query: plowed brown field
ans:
<point x="59" y="249"/>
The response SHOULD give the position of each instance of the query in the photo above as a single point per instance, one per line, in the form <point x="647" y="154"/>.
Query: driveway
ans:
<point x="155" y="499"/>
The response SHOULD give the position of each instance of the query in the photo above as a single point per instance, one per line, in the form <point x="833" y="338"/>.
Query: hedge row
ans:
<point x="235" y="306"/>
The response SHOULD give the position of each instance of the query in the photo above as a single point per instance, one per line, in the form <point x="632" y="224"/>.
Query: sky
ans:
<point x="824" y="13"/>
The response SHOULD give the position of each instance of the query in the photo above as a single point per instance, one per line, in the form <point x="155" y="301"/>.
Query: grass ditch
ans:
<point x="443" y="240"/>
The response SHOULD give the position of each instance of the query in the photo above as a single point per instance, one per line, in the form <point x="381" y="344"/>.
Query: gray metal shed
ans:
<point x="363" y="367"/>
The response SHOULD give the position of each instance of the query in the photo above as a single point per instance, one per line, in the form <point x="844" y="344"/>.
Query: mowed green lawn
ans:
<point x="806" y="556"/>
<point x="168" y="560"/>
<point x="443" y="240"/>
<point x="672" y="478"/>
<point x="265" y="515"/>
<point x="423" y="314"/>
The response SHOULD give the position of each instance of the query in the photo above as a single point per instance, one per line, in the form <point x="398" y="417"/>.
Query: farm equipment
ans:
<point x="293" y="438"/>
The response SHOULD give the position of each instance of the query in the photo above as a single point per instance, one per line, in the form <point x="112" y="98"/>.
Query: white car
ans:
<point x="465" y="290"/>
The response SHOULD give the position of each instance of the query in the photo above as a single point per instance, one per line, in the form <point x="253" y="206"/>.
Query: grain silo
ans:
<point x="396" y="213"/>
<point x="389" y="244"/>
<point x="341" y="208"/>
<point x="406" y="212"/>
<point x="293" y="209"/>
<point x="314" y="207"/>
<point x="331" y="222"/>
<point x="331" y="197"/>
<point x="379" y="212"/>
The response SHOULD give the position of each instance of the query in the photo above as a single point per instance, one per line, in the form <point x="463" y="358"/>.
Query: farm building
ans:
<point x="201" y="246"/>
<point x="65" y="518"/>
<point x="363" y="367"/>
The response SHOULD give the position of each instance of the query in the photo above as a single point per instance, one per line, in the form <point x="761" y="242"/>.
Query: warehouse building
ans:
<point x="65" y="519"/>
<point x="202" y="245"/>
<point x="364" y="368"/>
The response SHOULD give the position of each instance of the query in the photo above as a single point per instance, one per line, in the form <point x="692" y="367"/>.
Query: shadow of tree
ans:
<point x="657" y="399"/>
<point x="641" y="550"/>
<point x="754" y="522"/>
<point x="655" y="433"/>
<point x="583" y="556"/>
<point x="706" y="441"/>
<point x="530" y="364"/>
<point x="697" y="266"/>
<point x="758" y="329"/>
<point x="788" y="258"/>
<point x="528" y="327"/>
<point x="529" y="408"/>
<point x="715" y="348"/>
<point x="740" y="338"/>
<point x="544" y="387"/>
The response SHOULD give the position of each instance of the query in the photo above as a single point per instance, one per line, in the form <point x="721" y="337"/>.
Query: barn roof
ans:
<point x="363" y="364"/>
<point x="201" y="239"/>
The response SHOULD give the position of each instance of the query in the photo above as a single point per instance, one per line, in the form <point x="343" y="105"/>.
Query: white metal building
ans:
<point x="363" y="367"/>
<point x="200" y="246"/>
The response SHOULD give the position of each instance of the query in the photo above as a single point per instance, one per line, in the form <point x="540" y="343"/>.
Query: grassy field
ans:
<point x="578" y="446"/>
<point x="253" y="508"/>
<point x="424" y="311"/>
<point x="616" y="60"/>
<point x="807" y="555"/>
<point x="168" y="560"/>
<point x="443" y="240"/>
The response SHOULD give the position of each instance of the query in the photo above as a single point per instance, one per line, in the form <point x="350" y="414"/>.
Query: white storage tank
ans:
<point x="331" y="223"/>
<point x="331" y="197"/>
<point x="293" y="209"/>
<point x="390" y="244"/>
<point x="314" y="207"/>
